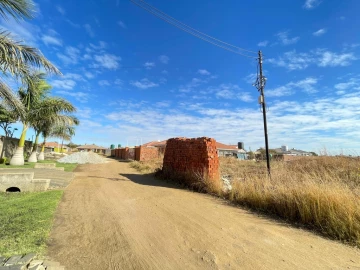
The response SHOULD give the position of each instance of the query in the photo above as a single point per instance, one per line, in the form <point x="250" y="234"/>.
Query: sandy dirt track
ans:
<point x="111" y="217"/>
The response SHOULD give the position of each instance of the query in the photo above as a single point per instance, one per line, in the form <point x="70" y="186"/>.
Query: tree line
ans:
<point x="32" y="104"/>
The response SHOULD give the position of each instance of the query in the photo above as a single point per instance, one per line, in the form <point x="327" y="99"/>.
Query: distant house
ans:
<point x="56" y="147"/>
<point x="92" y="148"/>
<point x="230" y="151"/>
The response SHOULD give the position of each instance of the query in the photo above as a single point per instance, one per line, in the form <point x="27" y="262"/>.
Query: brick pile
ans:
<point x="149" y="153"/>
<point x="191" y="157"/>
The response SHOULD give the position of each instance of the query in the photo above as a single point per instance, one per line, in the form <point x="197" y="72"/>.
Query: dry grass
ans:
<point x="150" y="166"/>
<point x="322" y="193"/>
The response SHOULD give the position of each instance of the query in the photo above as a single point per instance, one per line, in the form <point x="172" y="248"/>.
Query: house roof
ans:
<point x="155" y="144"/>
<point x="90" y="146"/>
<point x="54" y="145"/>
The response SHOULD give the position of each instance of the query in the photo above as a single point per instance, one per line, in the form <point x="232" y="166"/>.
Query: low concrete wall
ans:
<point x="45" y="165"/>
<point x="23" y="181"/>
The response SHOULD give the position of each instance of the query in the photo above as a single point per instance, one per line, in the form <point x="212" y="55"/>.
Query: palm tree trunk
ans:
<point x="18" y="157"/>
<point x="62" y="143"/>
<point x="3" y="147"/>
<point x="33" y="157"/>
<point x="41" y="155"/>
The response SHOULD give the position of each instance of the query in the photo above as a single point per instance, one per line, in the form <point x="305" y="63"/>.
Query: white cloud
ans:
<point x="149" y="65"/>
<point x="285" y="40"/>
<point x="104" y="83"/>
<point x="230" y="91"/>
<point x="263" y="43"/>
<point x="164" y="59"/>
<point x="63" y="84"/>
<point x="353" y="84"/>
<point x="164" y="72"/>
<point x="71" y="55"/>
<point x="50" y="40"/>
<point x="89" y="75"/>
<point x="118" y="82"/>
<point x="24" y="31"/>
<point x="320" y="57"/>
<point x="108" y="61"/>
<point x="309" y="125"/>
<point x="320" y="32"/>
<point x="327" y="58"/>
<point x="310" y="4"/>
<point x="306" y="85"/>
<point x="89" y="30"/>
<point x="122" y="24"/>
<point x="203" y="72"/>
<point x="79" y="96"/>
<point x="61" y="10"/>
<point x="144" y="84"/>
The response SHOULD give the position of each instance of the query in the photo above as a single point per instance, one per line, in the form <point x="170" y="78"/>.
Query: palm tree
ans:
<point x="18" y="59"/>
<point x="8" y="116"/>
<point x="64" y="132"/>
<point x="50" y="110"/>
<point x="49" y="128"/>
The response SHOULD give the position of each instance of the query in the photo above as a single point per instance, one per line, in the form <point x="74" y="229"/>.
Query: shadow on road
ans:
<point x="149" y="180"/>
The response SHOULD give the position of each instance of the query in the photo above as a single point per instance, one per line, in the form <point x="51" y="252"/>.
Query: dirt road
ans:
<point x="113" y="218"/>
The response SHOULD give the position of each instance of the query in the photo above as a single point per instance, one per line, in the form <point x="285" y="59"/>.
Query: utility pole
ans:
<point x="260" y="85"/>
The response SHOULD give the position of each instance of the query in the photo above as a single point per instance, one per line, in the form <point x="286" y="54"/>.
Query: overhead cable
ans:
<point x="190" y="30"/>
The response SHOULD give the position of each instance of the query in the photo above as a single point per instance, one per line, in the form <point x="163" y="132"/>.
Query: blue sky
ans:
<point x="134" y="78"/>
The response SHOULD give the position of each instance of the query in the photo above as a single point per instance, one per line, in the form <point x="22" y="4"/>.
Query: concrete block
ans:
<point x="45" y="165"/>
<point x="19" y="180"/>
<point x="40" y="184"/>
<point x="27" y="258"/>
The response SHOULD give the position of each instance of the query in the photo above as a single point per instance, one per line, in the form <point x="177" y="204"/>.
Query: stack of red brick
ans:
<point x="137" y="153"/>
<point x="192" y="156"/>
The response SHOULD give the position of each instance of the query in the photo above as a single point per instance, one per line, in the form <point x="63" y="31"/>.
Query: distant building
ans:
<point x="291" y="152"/>
<point x="92" y="148"/>
<point x="230" y="151"/>
<point x="55" y="147"/>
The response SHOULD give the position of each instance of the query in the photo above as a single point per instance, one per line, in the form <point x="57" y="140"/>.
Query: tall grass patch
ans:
<point x="26" y="220"/>
<point x="322" y="192"/>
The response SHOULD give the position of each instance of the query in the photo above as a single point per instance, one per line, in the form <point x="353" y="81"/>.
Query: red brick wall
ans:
<point x="113" y="152"/>
<point x="191" y="156"/>
<point x="148" y="153"/>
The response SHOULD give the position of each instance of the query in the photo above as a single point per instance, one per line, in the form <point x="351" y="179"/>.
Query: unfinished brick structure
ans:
<point x="138" y="153"/>
<point x="191" y="157"/>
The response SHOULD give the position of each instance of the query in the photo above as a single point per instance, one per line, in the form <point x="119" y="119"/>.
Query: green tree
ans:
<point x="50" y="125"/>
<point x="18" y="59"/>
<point x="64" y="132"/>
<point x="48" y="113"/>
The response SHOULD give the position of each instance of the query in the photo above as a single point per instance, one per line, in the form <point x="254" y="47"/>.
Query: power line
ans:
<point x="190" y="30"/>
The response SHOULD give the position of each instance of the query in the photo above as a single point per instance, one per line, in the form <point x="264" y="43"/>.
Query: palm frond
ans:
<point x="11" y="99"/>
<point x="16" y="8"/>
<point x="15" y="56"/>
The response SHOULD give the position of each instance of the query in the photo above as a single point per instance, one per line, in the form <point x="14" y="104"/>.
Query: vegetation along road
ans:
<point x="112" y="217"/>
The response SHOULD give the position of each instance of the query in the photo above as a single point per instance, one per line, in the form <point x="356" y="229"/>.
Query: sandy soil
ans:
<point x="111" y="217"/>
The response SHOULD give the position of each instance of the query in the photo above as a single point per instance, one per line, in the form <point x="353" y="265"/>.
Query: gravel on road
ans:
<point x="83" y="158"/>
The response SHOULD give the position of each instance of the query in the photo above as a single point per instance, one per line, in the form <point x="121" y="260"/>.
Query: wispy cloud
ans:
<point x="149" y="65"/>
<point x="61" y="10"/>
<point x="320" y="57"/>
<point x="306" y="85"/>
<point x="144" y="84"/>
<point x="122" y="24"/>
<point x="230" y="91"/>
<point x="63" y="84"/>
<point x="310" y="4"/>
<point x="263" y="43"/>
<point x="108" y="61"/>
<point x="164" y="59"/>
<point x="71" y="55"/>
<point x="89" y="30"/>
<point x="79" y="96"/>
<point x="203" y="72"/>
<point x="50" y="40"/>
<point x="285" y="39"/>
<point x="320" y="32"/>
<point x="104" y="83"/>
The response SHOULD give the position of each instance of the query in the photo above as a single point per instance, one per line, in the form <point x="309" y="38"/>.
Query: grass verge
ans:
<point x="26" y="220"/>
<point x="68" y="167"/>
